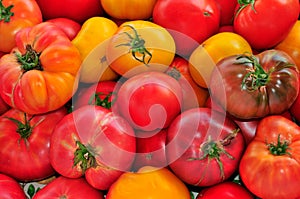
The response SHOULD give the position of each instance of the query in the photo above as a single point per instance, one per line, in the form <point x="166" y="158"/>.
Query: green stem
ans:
<point x="243" y="4"/>
<point x="96" y="99"/>
<point x="279" y="148"/>
<point x="30" y="60"/>
<point x="84" y="157"/>
<point x="24" y="129"/>
<point x="5" y="12"/>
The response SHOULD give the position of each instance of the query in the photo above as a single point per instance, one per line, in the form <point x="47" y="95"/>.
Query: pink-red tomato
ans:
<point x="69" y="26"/>
<point x="10" y="188"/>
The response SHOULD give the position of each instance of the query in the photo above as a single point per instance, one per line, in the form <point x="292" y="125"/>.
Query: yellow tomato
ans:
<point x="148" y="183"/>
<point x="205" y="57"/>
<point x="139" y="46"/>
<point x="291" y="44"/>
<point x="129" y="9"/>
<point x="91" y="42"/>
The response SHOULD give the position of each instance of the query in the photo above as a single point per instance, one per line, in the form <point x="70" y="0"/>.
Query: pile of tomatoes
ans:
<point x="160" y="99"/>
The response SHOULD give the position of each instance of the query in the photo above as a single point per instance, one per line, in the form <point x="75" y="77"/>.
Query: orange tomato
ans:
<point x="291" y="44"/>
<point x="148" y="183"/>
<point x="204" y="58"/>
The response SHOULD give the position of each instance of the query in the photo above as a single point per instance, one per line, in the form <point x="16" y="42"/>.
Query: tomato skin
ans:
<point x="62" y="187"/>
<point x="69" y="26"/>
<point x="10" y="188"/>
<point x="50" y="82"/>
<point x="202" y="128"/>
<point x="26" y="13"/>
<point x="294" y="109"/>
<point x="225" y="190"/>
<point x="227" y="8"/>
<point x="258" y="26"/>
<point x="273" y="95"/>
<point x="204" y="14"/>
<point x="31" y="150"/>
<point x="259" y="167"/>
<point x="3" y="106"/>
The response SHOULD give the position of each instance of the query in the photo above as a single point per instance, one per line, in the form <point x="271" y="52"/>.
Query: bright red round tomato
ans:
<point x="62" y="187"/>
<point x="69" y="26"/>
<point x="265" y="23"/>
<point x="95" y="143"/>
<point x="272" y="158"/>
<point x="10" y="188"/>
<point x="225" y="190"/>
<point x="76" y="10"/>
<point x="204" y="147"/>
<point x="150" y="100"/>
<point x="25" y="140"/>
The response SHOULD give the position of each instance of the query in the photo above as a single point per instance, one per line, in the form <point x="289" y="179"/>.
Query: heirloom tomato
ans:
<point x="265" y="23"/>
<point x="16" y="15"/>
<point x="139" y="46"/>
<point x="69" y="26"/>
<point x="150" y="100"/>
<point x="195" y="22"/>
<point x="253" y="86"/>
<point x="204" y="147"/>
<point x="148" y="183"/>
<point x="62" y="187"/>
<point x="25" y="140"/>
<point x="40" y="74"/>
<point x="295" y="108"/>
<point x="95" y="143"/>
<point x="128" y="9"/>
<point x="10" y="188"/>
<point x="270" y="165"/>
<point x="227" y="9"/>
<point x="3" y="106"/>
<point x="205" y="57"/>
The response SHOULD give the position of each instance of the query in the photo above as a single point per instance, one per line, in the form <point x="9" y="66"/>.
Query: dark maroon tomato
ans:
<point x="295" y="108"/>
<point x="253" y="86"/>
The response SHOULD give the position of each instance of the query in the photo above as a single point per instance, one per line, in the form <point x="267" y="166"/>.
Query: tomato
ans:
<point x="25" y="140"/>
<point x="62" y="187"/>
<point x="16" y="15"/>
<point x="77" y="151"/>
<point x="291" y="44"/>
<point x="253" y="86"/>
<point x="139" y="46"/>
<point x="295" y="108"/>
<point x="138" y="101"/>
<point x="193" y="95"/>
<point x="147" y="183"/>
<point x="69" y="26"/>
<point x="225" y="190"/>
<point x="3" y="106"/>
<point x="40" y="74"/>
<point x="227" y="8"/>
<point x="269" y="167"/>
<point x="203" y="16"/>
<point x="204" y="147"/>
<point x="10" y="188"/>
<point x="128" y="9"/>
<point x="265" y="23"/>
<point x="78" y="11"/>
<point x="205" y="57"/>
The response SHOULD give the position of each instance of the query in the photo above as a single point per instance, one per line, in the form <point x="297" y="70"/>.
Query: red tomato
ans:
<point x="253" y="86"/>
<point x="272" y="158"/>
<point x="94" y="142"/>
<point x="265" y="23"/>
<point x="76" y="10"/>
<point x="225" y="190"/>
<point x="16" y="15"/>
<point x="150" y="100"/>
<point x="10" y="188"/>
<point x="227" y="9"/>
<point x="69" y="26"/>
<point x="203" y="16"/>
<point x="2" y="53"/>
<point x="204" y="147"/>
<point x="62" y="187"/>
<point x="3" y="106"/>
<point x="26" y="138"/>
<point x="40" y="74"/>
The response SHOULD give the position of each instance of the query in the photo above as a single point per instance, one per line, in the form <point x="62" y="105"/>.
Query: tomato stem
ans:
<point x="243" y="4"/>
<point x="5" y="12"/>
<point x="30" y="60"/>
<point x="137" y="46"/>
<point x="84" y="157"/>
<point x="24" y="129"/>
<point x="280" y="148"/>
<point x="95" y="99"/>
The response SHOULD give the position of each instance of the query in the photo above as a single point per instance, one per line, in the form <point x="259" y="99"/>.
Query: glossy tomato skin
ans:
<point x="138" y="101"/>
<point x="76" y="10"/>
<point x="233" y="81"/>
<point x="256" y="23"/>
<point x="10" y="188"/>
<point x="295" y="108"/>
<point x="203" y="16"/>
<point x="260" y="167"/>
<point x="106" y="134"/>
<point x="3" y="106"/>
<point x="227" y="9"/>
<point x="62" y="187"/>
<point x="191" y="139"/>
<point x="69" y="26"/>
<point x="40" y="74"/>
<point x="26" y="153"/>
<point x="26" y="13"/>
<point x="225" y="190"/>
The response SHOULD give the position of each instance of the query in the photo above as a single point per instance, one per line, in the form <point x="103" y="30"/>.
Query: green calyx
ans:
<point x="137" y="47"/>
<point x="23" y="129"/>
<point x="245" y="3"/>
<point x="279" y="148"/>
<point x="96" y="99"/>
<point x="84" y="157"/>
<point x="5" y="12"/>
<point x="30" y="60"/>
